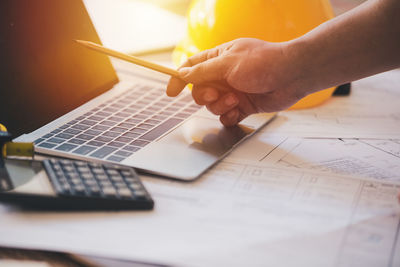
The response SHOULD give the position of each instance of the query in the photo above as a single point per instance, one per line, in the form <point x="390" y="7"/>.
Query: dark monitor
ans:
<point x="43" y="72"/>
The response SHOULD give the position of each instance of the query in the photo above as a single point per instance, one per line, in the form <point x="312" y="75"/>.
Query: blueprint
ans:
<point x="370" y="158"/>
<point x="237" y="214"/>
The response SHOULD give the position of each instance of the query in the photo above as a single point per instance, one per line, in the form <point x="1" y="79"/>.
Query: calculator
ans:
<point x="63" y="184"/>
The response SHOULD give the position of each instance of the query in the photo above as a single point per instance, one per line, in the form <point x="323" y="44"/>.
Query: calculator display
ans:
<point x="26" y="176"/>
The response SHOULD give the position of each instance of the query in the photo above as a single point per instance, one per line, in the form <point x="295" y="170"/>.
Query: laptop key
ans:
<point x="80" y="127"/>
<point x="152" y="122"/>
<point x="37" y="141"/>
<point x="72" y="131"/>
<point x="111" y="134"/>
<point x="104" y="139"/>
<point x="139" y="143"/>
<point x="56" y="131"/>
<point x="103" y="152"/>
<point x="115" y="158"/>
<point x="161" y="129"/>
<point x="126" y="125"/>
<point x="115" y="119"/>
<point x="123" y="114"/>
<point x="145" y="126"/>
<point x="89" y="122"/>
<point x="84" y="150"/>
<point x="96" y="143"/>
<point x="47" y="136"/>
<point x="85" y="136"/>
<point x="138" y="130"/>
<point x="95" y="118"/>
<point x="182" y="115"/>
<point x="77" y="141"/>
<point x="93" y="132"/>
<point x="118" y="129"/>
<point x="100" y="127"/>
<point x="123" y="153"/>
<point x="131" y="148"/>
<point x="124" y="139"/>
<point x="116" y="144"/>
<point x="133" y="121"/>
<point x="65" y="126"/>
<point x="107" y="123"/>
<point x="131" y="135"/>
<point x="66" y="147"/>
<point x="56" y="140"/>
<point x="47" y="145"/>
<point x="111" y="110"/>
<point x="103" y="114"/>
<point x="64" y="136"/>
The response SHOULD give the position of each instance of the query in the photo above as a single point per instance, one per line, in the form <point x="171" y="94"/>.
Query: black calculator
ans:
<point x="63" y="184"/>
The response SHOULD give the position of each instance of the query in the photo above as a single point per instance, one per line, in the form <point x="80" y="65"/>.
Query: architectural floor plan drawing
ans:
<point x="237" y="214"/>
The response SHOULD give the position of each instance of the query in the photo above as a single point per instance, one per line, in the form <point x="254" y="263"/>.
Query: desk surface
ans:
<point x="64" y="261"/>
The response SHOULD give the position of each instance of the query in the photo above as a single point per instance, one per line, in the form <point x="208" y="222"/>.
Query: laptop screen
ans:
<point x="43" y="72"/>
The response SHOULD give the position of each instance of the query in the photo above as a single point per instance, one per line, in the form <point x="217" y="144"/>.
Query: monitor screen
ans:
<point x="44" y="73"/>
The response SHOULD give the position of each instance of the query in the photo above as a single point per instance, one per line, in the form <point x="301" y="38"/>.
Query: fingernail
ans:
<point x="230" y="100"/>
<point x="209" y="97"/>
<point x="184" y="71"/>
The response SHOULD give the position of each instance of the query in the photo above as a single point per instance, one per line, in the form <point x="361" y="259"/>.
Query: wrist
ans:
<point x="298" y="64"/>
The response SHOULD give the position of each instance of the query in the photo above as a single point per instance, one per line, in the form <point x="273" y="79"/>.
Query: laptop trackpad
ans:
<point x="190" y="149"/>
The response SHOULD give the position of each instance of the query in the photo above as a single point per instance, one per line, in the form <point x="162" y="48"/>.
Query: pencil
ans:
<point x="129" y="58"/>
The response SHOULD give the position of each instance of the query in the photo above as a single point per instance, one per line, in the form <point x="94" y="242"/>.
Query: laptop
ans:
<point x="71" y="103"/>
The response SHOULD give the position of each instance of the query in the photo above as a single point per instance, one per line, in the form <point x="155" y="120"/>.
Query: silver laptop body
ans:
<point x="132" y="123"/>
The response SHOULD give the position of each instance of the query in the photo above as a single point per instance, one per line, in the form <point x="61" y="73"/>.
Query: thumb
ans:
<point x="213" y="69"/>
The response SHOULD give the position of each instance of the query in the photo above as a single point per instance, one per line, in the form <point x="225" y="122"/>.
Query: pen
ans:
<point x="132" y="59"/>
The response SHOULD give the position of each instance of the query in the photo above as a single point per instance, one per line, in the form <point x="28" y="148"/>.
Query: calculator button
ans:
<point x="98" y="170"/>
<point x="76" y="181"/>
<point x="83" y="169"/>
<point x="102" y="177"/>
<point x="91" y="183"/>
<point x="105" y="184"/>
<point x="73" y="175"/>
<point x="109" y="191"/>
<point x="80" y="189"/>
<point x="117" y="178"/>
<point x="112" y="172"/>
<point x="87" y="176"/>
<point x="94" y="165"/>
<point x="124" y="192"/>
<point x="140" y="193"/>
<point x="95" y="190"/>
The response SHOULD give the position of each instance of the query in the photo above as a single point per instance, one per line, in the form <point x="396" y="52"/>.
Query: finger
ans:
<point x="214" y="69"/>
<point x="175" y="84"/>
<point x="203" y="56"/>
<point x="230" y="118"/>
<point x="224" y="104"/>
<point x="204" y="95"/>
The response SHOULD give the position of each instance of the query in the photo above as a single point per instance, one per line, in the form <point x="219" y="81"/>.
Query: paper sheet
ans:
<point x="372" y="158"/>
<point x="236" y="215"/>
<point x="371" y="111"/>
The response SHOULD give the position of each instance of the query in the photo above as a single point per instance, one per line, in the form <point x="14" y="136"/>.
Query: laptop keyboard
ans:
<point x="122" y="126"/>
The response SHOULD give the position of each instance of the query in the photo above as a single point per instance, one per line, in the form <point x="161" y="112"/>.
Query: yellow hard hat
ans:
<point x="213" y="22"/>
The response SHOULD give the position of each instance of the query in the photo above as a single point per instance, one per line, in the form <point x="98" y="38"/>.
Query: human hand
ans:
<point x="239" y="78"/>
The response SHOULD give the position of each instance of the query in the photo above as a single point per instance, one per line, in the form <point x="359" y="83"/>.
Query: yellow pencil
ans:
<point x="129" y="58"/>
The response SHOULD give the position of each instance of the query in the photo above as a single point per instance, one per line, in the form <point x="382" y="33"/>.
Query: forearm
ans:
<point x="362" y="42"/>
